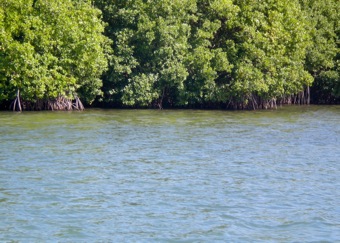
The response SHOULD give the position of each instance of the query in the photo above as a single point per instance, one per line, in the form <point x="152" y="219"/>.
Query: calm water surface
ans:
<point x="170" y="176"/>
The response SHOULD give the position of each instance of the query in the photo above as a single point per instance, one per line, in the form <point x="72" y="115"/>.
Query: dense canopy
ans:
<point x="50" y="49"/>
<point x="170" y="53"/>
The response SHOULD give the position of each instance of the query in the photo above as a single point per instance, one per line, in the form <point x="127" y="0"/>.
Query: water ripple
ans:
<point x="170" y="176"/>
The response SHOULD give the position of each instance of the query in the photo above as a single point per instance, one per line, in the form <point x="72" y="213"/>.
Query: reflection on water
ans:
<point x="160" y="175"/>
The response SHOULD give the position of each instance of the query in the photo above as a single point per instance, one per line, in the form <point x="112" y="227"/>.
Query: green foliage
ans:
<point x="170" y="53"/>
<point x="140" y="90"/>
<point x="207" y="60"/>
<point x="51" y="48"/>
<point x="267" y="45"/>
<point x="201" y="52"/>
<point x="150" y="45"/>
<point x="323" y="55"/>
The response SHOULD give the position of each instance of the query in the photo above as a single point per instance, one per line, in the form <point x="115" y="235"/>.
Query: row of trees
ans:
<point x="170" y="53"/>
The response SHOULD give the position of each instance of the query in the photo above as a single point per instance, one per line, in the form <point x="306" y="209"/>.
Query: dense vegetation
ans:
<point x="169" y="53"/>
<point x="51" y="50"/>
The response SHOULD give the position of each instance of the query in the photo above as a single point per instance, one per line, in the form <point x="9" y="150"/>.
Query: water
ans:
<point x="170" y="176"/>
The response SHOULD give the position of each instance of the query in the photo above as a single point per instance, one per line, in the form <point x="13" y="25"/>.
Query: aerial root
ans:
<point x="60" y="103"/>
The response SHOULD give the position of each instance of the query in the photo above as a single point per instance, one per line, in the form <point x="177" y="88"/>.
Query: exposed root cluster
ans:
<point x="253" y="102"/>
<point x="60" y="103"/>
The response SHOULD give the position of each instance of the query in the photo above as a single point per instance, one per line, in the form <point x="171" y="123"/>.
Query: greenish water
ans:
<point x="170" y="176"/>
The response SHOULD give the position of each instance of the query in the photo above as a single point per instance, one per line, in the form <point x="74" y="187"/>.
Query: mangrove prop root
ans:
<point x="254" y="102"/>
<point x="60" y="103"/>
<point x="16" y="104"/>
<point x="78" y="105"/>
